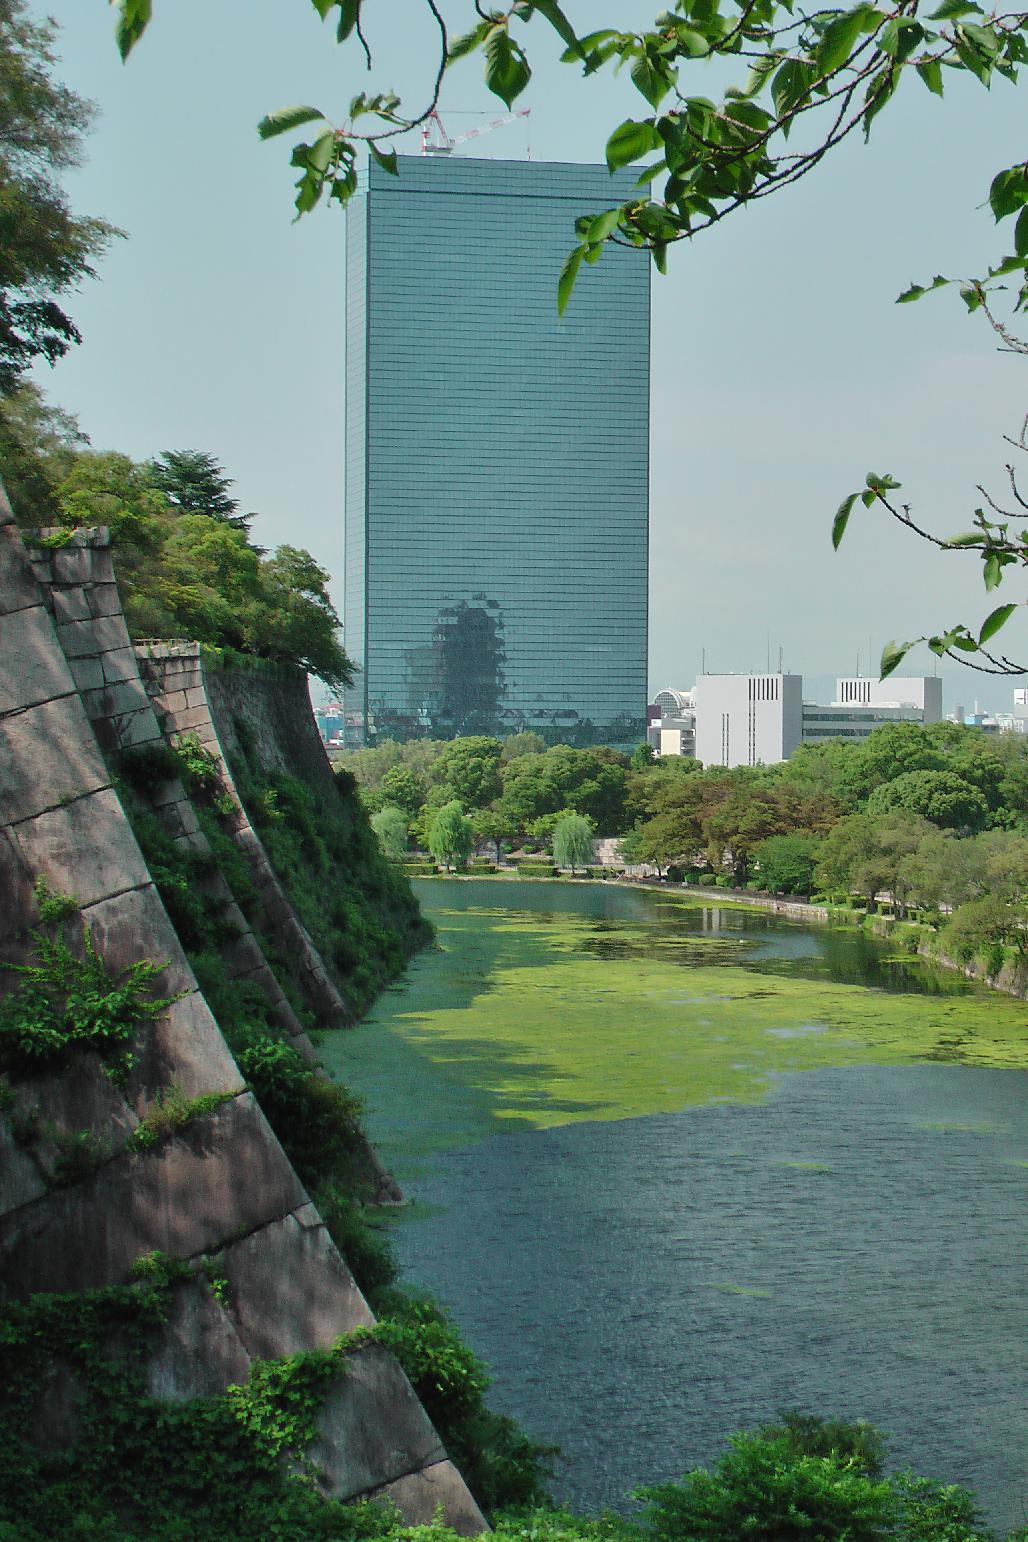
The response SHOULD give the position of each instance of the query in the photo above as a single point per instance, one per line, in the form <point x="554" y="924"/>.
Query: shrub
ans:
<point x="317" y="1121"/>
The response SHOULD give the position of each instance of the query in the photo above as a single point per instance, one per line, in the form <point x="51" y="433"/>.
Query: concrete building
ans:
<point x="671" y="723"/>
<point x="747" y="720"/>
<point x="861" y="705"/>
<point x="496" y="456"/>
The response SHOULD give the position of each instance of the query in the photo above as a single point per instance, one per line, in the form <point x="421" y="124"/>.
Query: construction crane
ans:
<point x="436" y="141"/>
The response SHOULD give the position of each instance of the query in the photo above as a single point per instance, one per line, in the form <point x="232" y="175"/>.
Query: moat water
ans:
<point x="676" y="1168"/>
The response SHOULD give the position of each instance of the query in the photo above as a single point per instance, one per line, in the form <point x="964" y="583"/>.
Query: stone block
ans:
<point x="112" y="700"/>
<point x="131" y="729"/>
<point x="20" y="1179"/>
<point x="133" y="926"/>
<point x="290" y="1290"/>
<point x="372" y="1429"/>
<point x="420" y="1494"/>
<point x="173" y="702"/>
<point x="182" y="1048"/>
<point x="190" y="718"/>
<point x="18" y="586"/>
<point x="82" y="1097"/>
<point x="196" y="696"/>
<point x="197" y="1352"/>
<point x="17" y="901"/>
<point x="221" y="1175"/>
<point x="70" y="605"/>
<point x="48" y="754"/>
<point x="32" y="668"/>
<point x="104" y="600"/>
<point x="84" y="848"/>
<point x="88" y="674"/>
<point x="119" y="663"/>
<point x="84" y="639"/>
<point x="82" y="564"/>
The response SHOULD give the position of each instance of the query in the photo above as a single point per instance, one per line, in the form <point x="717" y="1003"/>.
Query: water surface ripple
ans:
<point x="677" y="1171"/>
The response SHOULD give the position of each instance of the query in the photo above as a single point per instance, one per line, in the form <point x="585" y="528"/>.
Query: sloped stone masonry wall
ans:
<point x="184" y="693"/>
<point x="222" y="1182"/>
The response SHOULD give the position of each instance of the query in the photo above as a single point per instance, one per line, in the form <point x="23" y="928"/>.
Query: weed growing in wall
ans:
<point x="66" y="999"/>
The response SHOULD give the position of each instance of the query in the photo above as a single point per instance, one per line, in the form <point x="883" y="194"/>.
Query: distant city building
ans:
<point x="747" y="720"/>
<point x="496" y="456"/>
<point x="671" y="723"/>
<point x="1020" y="712"/>
<point x="861" y="705"/>
<point x="330" y="720"/>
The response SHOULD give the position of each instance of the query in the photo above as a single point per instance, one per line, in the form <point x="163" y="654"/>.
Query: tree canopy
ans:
<point x="45" y="249"/>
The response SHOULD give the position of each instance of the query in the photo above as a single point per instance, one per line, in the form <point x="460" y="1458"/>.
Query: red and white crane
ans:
<point x="436" y="141"/>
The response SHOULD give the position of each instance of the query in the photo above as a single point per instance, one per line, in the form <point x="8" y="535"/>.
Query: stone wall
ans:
<point x="221" y="1183"/>
<point x="194" y="699"/>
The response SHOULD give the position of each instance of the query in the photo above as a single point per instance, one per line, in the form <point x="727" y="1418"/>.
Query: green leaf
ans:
<point x="1000" y="616"/>
<point x="323" y="7"/>
<point x="966" y="538"/>
<point x="506" y="68"/>
<point x="602" y="226"/>
<point x="385" y="158"/>
<point x="287" y="118"/>
<point x="322" y="151"/>
<point x="993" y="571"/>
<point x="560" y="24"/>
<point x="900" y="37"/>
<point x="1021" y="234"/>
<point x="1009" y="191"/>
<point x="349" y="14"/>
<point x="630" y="142"/>
<point x="133" y="20"/>
<point x="930" y="71"/>
<point x="950" y="9"/>
<point x="468" y="43"/>
<point x="913" y="293"/>
<point x="652" y="78"/>
<point x="893" y="655"/>
<point x="838" y="40"/>
<point x="568" y="274"/>
<point x="841" y="519"/>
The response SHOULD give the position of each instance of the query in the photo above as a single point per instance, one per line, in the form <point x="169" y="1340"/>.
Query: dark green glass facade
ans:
<point x="497" y="456"/>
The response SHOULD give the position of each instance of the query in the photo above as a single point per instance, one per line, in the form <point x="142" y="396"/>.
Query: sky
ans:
<point x="782" y="370"/>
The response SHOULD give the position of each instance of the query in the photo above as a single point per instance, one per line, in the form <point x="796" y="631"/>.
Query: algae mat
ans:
<point x="529" y="1015"/>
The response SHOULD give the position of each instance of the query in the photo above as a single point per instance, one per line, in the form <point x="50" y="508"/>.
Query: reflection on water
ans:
<point x="646" y="923"/>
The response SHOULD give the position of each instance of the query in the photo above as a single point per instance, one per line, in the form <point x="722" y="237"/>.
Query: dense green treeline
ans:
<point x="933" y="816"/>
<point x="186" y="564"/>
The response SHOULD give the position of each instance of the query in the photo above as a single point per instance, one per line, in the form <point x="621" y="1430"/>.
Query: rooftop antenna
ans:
<point x="781" y="661"/>
<point x="703" y="665"/>
<point x="435" y="140"/>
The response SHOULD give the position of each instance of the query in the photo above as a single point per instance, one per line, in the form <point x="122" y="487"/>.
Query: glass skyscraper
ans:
<point x="496" y="456"/>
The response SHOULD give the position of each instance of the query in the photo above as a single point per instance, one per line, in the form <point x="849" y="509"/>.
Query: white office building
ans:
<point x="861" y="705"/>
<point x="751" y="720"/>
<point x="747" y="720"/>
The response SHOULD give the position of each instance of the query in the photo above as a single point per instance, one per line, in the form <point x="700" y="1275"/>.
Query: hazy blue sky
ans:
<point x="782" y="370"/>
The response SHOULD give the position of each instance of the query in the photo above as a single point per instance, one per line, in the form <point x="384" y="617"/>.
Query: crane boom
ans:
<point x="436" y="141"/>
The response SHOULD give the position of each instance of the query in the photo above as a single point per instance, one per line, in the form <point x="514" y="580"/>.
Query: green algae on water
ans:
<point x="531" y="1018"/>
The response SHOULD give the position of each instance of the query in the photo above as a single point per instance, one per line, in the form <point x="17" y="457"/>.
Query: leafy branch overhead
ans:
<point x="804" y="84"/>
